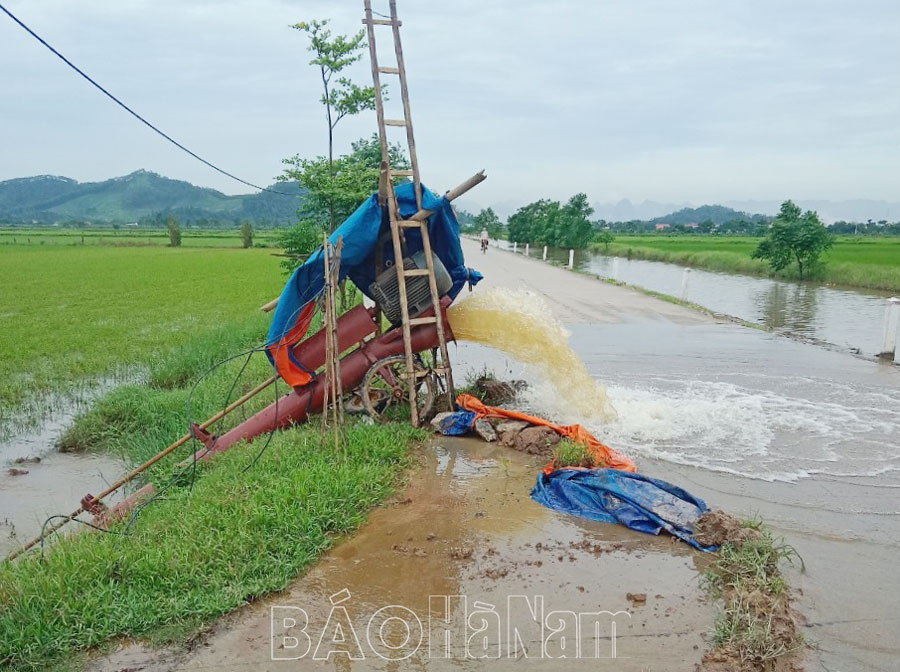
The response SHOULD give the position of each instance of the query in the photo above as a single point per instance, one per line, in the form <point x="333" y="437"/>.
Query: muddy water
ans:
<point x="466" y="527"/>
<point x="804" y="437"/>
<point x="52" y="483"/>
<point x="521" y="324"/>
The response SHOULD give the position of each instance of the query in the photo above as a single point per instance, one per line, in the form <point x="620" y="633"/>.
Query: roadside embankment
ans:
<point x="215" y="538"/>
<point x="837" y="269"/>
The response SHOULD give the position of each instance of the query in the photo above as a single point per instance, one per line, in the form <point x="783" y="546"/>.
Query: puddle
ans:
<point x="53" y="482"/>
<point x="464" y="544"/>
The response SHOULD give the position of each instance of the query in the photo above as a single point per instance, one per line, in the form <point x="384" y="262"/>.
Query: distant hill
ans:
<point x="141" y="195"/>
<point x="718" y="214"/>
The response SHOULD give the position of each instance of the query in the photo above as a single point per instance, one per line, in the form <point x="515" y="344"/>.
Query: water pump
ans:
<point x="386" y="291"/>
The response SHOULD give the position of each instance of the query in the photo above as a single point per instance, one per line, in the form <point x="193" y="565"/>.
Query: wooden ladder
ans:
<point x="440" y="369"/>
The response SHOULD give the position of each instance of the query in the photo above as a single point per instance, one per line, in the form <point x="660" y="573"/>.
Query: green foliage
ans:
<point x="715" y="214"/>
<point x="605" y="238"/>
<point x="174" y="231"/>
<point x="341" y="98"/>
<point x="548" y="223"/>
<point x="487" y="219"/>
<point x="572" y="454"/>
<point x="246" y="234"/>
<point x="755" y="622"/>
<point x="794" y="237"/>
<point x="573" y="227"/>
<point x="333" y="189"/>
<point x="299" y="242"/>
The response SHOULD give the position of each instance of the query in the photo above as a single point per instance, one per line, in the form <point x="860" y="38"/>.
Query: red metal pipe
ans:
<point x="296" y="407"/>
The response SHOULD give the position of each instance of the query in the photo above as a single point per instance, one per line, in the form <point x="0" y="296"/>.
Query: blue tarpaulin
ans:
<point x="458" y="423"/>
<point x="613" y="496"/>
<point x="360" y="233"/>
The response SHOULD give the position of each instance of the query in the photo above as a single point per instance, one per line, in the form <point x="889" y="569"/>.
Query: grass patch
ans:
<point x="569" y="453"/>
<point x="71" y="314"/>
<point x="244" y="528"/>
<point x="872" y="263"/>
<point x="756" y="624"/>
<point x="199" y="553"/>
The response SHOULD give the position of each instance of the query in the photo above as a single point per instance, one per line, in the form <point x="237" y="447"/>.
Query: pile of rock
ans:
<point x="518" y="434"/>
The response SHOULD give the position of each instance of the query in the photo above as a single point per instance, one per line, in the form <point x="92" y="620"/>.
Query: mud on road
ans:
<point x="465" y="526"/>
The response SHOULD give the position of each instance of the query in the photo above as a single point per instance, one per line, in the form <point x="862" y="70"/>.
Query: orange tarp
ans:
<point x="603" y="454"/>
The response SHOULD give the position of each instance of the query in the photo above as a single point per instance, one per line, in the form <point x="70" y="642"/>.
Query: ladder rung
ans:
<point x="389" y="71"/>
<point x="415" y="272"/>
<point x="382" y="22"/>
<point x="422" y="320"/>
<point x="395" y="122"/>
<point x="402" y="173"/>
<point x="410" y="224"/>
<point x="442" y="370"/>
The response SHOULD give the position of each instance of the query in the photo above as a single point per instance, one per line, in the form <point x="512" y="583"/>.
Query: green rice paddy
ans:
<point x="71" y="314"/>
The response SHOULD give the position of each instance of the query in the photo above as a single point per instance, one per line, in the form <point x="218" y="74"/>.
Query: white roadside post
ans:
<point x="515" y="246"/>
<point x="571" y="258"/>
<point x="527" y="245"/>
<point x="685" y="281"/>
<point x="891" y="323"/>
<point x="545" y="253"/>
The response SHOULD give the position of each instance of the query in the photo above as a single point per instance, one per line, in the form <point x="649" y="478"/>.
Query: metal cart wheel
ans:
<point x="385" y="389"/>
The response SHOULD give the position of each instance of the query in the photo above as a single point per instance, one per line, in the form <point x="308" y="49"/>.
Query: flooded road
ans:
<point x="808" y="309"/>
<point x="462" y="544"/>
<point x="804" y="437"/>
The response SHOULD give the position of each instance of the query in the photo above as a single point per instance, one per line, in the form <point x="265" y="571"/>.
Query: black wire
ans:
<point x="70" y="519"/>
<point x="269" y="438"/>
<point x="132" y="112"/>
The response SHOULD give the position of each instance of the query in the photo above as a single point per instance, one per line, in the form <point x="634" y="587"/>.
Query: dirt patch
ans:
<point x="715" y="528"/>
<point x="495" y="392"/>
<point x="757" y="629"/>
<point x="536" y="441"/>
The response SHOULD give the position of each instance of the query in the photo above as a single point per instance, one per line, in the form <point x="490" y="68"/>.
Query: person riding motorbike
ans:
<point x="484" y="240"/>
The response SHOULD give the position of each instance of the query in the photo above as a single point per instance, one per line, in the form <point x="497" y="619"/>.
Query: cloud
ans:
<point x="693" y="101"/>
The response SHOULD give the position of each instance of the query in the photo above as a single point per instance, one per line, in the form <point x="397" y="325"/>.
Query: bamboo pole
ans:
<point x="326" y="310"/>
<point x="421" y="215"/>
<point x="146" y="465"/>
<point x="339" y="398"/>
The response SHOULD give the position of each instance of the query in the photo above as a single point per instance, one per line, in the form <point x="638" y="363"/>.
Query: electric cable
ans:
<point x="132" y="112"/>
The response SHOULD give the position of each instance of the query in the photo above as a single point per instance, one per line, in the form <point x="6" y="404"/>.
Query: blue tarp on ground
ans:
<point x="360" y="234"/>
<point x="613" y="496"/>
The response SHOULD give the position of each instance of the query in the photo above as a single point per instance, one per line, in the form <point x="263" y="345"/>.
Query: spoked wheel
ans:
<point x="385" y="389"/>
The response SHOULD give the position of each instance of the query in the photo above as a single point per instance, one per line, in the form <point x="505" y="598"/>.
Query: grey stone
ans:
<point x="485" y="430"/>
<point x="511" y="426"/>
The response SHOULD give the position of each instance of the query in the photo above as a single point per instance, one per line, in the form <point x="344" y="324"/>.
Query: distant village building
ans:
<point x="691" y="225"/>
<point x="662" y="227"/>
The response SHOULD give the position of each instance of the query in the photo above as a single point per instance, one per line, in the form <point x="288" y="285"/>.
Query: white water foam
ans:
<point x="740" y="426"/>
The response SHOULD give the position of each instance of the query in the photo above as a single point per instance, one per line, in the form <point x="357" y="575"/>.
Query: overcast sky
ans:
<point x="698" y="101"/>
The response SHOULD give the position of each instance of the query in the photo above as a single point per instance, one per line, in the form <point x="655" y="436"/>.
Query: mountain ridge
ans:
<point x="137" y="196"/>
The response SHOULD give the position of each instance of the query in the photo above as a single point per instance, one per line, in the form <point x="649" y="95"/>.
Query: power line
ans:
<point x="132" y="112"/>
